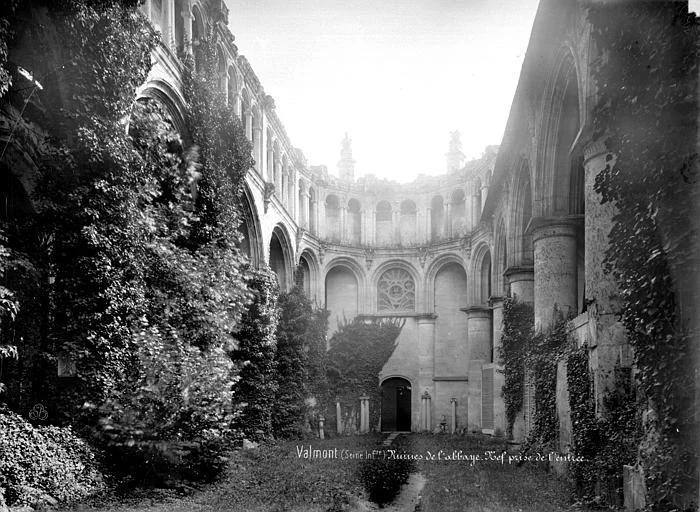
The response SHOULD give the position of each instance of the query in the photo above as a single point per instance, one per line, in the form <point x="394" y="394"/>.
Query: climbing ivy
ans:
<point x="542" y="353"/>
<point x="518" y="322"/>
<point x="647" y="110"/>
<point x="358" y="351"/>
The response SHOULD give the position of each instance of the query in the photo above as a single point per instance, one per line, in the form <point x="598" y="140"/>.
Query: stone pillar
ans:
<point x="169" y="24"/>
<point x="305" y="209"/>
<point x="453" y="419"/>
<point x="270" y="165"/>
<point x="497" y="329"/>
<point x="474" y="394"/>
<point x="372" y="226"/>
<point x="321" y="434"/>
<point x="187" y="31"/>
<point x="428" y="221"/>
<point x="258" y="150"/>
<point x="363" y="227"/>
<point x="476" y="211"/>
<point x="521" y="281"/>
<point x="554" y="241"/>
<point x="364" y="414"/>
<point x="426" y="357"/>
<point x="249" y="127"/>
<point x="338" y="418"/>
<point x="426" y="412"/>
<point x="479" y="332"/>
<point x="344" y="235"/>
<point x="484" y="194"/>
<point x="448" y="219"/>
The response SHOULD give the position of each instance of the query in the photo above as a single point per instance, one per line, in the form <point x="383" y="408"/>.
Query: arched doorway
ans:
<point x="396" y="405"/>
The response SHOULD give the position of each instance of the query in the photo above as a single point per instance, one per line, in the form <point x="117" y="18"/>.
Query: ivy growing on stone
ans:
<point x="518" y="323"/>
<point x="647" y="111"/>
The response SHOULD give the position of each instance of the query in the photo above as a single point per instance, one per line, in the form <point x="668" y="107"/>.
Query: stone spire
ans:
<point x="346" y="165"/>
<point x="454" y="157"/>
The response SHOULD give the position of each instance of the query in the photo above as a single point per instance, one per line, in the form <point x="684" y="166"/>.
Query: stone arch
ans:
<point x="252" y="239"/>
<point x="458" y="212"/>
<point x="354" y="221"/>
<point x="383" y="231"/>
<point x="198" y="33"/>
<point x="394" y="302"/>
<point x="481" y="274"/>
<point x="521" y="250"/>
<point x="343" y="285"/>
<point x="308" y="270"/>
<point x="559" y="150"/>
<point x="171" y="100"/>
<point x="500" y="259"/>
<point x="281" y="256"/>
<point x="397" y="404"/>
<point x="407" y="222"/>
<point x="449" y="300"/>
<point x="437" y="218"/>
<point x="222" y="68"/>
<point x="433" y="269"/>
<point x="332" y="211"/>
<point x="232" y="92"/>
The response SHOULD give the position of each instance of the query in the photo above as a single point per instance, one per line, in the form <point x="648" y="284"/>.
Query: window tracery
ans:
<point x="396" y="291"/>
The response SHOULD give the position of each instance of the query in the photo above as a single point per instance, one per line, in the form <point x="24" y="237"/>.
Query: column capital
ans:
<point x="545" y="227"/>
<point x="495" y="301"/>
<point x="593" y="149"/>
<point x="519" y="273"/>
<point x="477" y="311"/>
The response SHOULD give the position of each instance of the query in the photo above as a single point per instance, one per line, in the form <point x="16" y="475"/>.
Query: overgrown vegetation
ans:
<point x="135" y="278"/>
<point x="300" y="364"/>
<point x="358" y="351"/>
<point x="39" y="464"/>
<point x="647" y="112"/>
<point x="255" y="352"/>
<point x="518" y="324"/>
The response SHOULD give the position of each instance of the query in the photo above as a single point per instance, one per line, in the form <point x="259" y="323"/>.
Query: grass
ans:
<point x="270" y="478"/>
<point x="486" y="486"/>
<point x="274" y="479"/>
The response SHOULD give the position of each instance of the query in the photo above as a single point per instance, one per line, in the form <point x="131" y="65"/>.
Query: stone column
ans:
<point x="448" y="219"/>
<point x="258" y="150"/>
<point x="364" y="414"/>
<point x="187" y="31"/>
<point x="363" y="227"/>
<point x="484" y="193"/>
<point x="554" y="241"/>
<point x="372" y="226"/>
<point x="426" y="412"/>
<point x="249" y="128"/>
<point x="169" y="24"/>
<point x="426" y="356"/>
<point x="270" y="163"/>
<point x="304" y="214"/>
<point x="521" y="281"/>
<point x="476" y="211"/>
<point x="453" y="420"/>
<point x="474" y="404"/>
<point x="344" y="235"/>
<point x="321" y="421"/>
<point x="479" y="332"/>
<point x="497" y="329"/>
<point x="428" y="222"/>
<point x="338" y="418"/>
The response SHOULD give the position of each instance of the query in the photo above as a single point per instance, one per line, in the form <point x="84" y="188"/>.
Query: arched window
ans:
<point x="384" y="225"/>
<point x="354" y="221"/>
<point x="407" y="222"/>
<point x="396" y="291"/>
<point x="458" y="213"/>
<point x="333" y="218"/>
<point x="437" y="218"/>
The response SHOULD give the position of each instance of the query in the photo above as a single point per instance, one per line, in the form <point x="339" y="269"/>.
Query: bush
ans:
<point x="383" y="478"/>
<point x="40" y="461"/>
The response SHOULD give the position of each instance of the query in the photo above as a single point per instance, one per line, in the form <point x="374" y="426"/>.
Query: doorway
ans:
<point x="396" y="405"/>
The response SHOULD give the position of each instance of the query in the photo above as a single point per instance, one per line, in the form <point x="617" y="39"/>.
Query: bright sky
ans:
<point x="397" y="75"/>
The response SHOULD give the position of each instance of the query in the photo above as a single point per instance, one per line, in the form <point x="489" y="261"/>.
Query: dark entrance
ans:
<point x="396" y="405"/>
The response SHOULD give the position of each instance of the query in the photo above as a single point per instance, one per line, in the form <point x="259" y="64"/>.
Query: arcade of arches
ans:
<point x="442" y="251"/>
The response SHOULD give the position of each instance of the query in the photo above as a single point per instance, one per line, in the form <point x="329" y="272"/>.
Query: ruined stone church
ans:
<point x="441" y="252"/>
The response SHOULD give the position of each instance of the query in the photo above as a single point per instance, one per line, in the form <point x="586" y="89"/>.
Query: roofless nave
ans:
<point x="440" y="252"/>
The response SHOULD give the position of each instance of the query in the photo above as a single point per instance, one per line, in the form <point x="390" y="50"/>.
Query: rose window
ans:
<point x="396" y="291"/>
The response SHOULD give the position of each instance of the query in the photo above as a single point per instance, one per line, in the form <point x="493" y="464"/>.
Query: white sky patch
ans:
<point x="397" y="75"/>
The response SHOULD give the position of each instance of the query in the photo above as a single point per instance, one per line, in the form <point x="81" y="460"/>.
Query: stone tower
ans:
<point x="346" y="165"/>
<point x="454" y="157"/>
